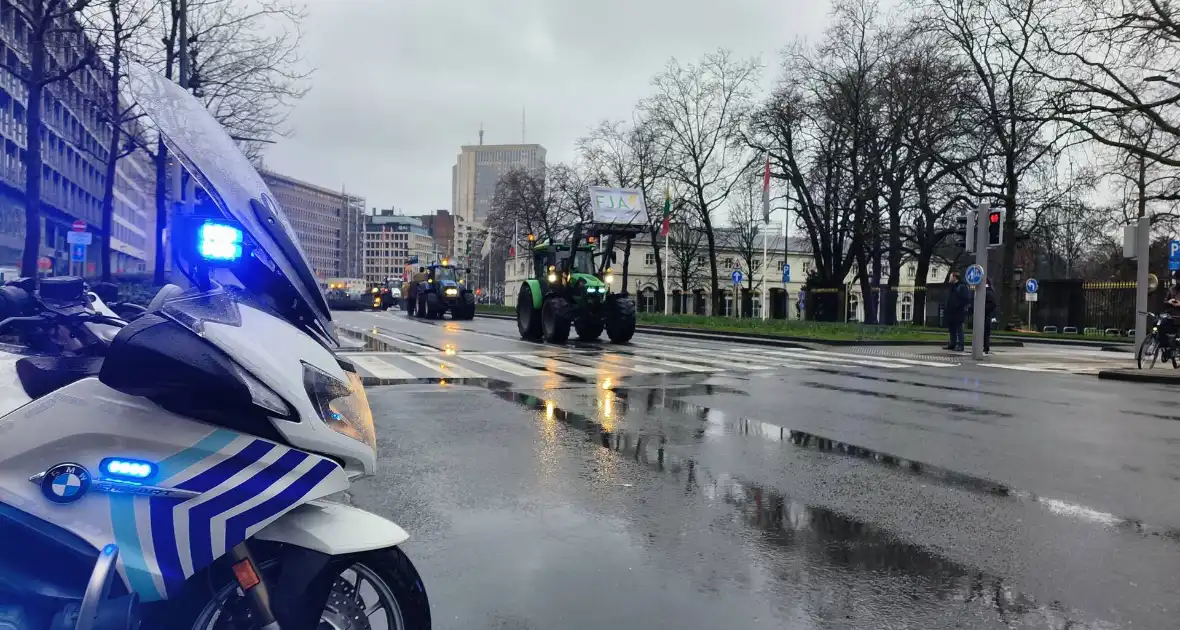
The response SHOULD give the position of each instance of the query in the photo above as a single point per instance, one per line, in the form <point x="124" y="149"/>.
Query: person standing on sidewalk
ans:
<point x="955" y="311"/>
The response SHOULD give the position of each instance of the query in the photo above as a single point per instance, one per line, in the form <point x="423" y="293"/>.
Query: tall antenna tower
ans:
<point x="481" y="134"/>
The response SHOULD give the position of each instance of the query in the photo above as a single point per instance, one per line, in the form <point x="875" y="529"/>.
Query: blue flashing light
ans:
<point x="218" y="241"/>
<point x="130" y="469"/>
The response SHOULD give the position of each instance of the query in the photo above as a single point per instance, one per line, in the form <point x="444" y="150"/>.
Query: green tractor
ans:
<point x="566" y="291"/>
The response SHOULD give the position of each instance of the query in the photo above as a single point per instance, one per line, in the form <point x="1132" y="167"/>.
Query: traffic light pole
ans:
<point x="981" y="243"/>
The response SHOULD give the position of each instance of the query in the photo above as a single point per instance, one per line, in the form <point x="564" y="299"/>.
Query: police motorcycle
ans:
<point x="181" y="470"/>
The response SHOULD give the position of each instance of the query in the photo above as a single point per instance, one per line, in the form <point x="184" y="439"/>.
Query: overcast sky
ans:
<point x="400" y="85"/>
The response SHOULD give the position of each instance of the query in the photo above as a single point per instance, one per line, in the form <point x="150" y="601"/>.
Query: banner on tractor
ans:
<point x="618" y="206"/>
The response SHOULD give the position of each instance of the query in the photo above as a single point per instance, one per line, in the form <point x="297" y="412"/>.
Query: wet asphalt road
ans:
<point x="839" y="496"/>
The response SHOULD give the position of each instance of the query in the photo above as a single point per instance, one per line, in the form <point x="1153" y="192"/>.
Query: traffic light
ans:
<point x="995" y="228"/>
<point x="965" y="230"/>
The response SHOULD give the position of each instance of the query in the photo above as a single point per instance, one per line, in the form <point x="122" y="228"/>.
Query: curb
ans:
<point x="1140" y="376"/>
<point x="777" y="340"/>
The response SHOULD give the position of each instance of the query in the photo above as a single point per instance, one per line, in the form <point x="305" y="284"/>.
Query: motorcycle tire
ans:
<point x="390" y="574"/>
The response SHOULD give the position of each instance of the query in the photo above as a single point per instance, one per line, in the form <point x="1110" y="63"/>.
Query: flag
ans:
<point x="667" y="224"/>
<point x="766" y="191"/>
<point x="487" y="245"/>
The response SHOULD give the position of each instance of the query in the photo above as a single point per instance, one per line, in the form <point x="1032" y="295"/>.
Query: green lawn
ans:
<point x="820" y="331"/>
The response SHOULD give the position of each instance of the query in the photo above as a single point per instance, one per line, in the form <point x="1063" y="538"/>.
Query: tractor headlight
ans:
<point x="344" y="407"/>
<point x="552" y="277"/>
<point x="608" y="278"/>
<point x="451" y="292"/>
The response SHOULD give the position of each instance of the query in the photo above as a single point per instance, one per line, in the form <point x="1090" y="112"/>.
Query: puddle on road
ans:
<point x="713" y="420"/>
<point x="825" y="538"/>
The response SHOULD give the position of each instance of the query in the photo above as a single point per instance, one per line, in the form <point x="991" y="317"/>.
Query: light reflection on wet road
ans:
<point x="689" y="501"/>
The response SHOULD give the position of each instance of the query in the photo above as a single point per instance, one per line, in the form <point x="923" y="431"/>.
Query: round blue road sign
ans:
<point x="1032" y="285"/>
<point x="974" y="275"/>
<point x="65" y="483"/>
<point x="736" y="276"/>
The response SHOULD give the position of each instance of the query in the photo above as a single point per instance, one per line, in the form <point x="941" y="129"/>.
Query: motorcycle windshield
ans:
<point x="214" y="160"/>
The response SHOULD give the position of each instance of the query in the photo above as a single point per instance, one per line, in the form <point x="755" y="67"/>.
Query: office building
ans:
<point x="329" y="224"/>
<point x="391" y="242"/>
<point x="479" y="168"/>
<point x="447" y="230"/>
<point x="74" y="151"/>
<point x="133" y="236"/>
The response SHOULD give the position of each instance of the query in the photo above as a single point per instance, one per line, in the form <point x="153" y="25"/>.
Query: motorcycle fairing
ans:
<point x="243" y="483"/>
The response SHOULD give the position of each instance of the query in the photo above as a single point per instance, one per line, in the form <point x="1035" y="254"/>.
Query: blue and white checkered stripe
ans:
<point x="244" y="483"/>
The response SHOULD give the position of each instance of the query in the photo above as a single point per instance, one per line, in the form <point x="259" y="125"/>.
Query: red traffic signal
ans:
<point x="995" y="228"/>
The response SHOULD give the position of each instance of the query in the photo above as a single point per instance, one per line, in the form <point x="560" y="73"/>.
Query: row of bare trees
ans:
<point x="885" y="129"/>
<point x="243" y="64"/>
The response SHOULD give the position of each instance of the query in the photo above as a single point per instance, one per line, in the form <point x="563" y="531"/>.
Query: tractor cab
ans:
<point x="550" y="259"/>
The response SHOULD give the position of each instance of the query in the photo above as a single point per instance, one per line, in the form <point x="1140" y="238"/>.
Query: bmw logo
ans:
<point x="65" y="483"/>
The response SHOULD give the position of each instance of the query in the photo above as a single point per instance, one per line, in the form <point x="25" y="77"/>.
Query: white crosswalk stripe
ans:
<point x="639" y="359"/>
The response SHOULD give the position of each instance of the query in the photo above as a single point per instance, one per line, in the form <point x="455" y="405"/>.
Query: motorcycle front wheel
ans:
<point x="376" y="590"/>
<point x="1149" y="350"/>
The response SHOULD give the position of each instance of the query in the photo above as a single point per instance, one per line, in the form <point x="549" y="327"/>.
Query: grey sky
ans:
<point x="401" y="84"/>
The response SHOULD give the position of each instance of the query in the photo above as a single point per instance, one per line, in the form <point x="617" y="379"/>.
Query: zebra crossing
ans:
<point x="637" y="359"/>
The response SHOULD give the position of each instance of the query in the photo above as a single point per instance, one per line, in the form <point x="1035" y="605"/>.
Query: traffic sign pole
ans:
<point x="1143" y="242"/>
<point x="979" y="320"/>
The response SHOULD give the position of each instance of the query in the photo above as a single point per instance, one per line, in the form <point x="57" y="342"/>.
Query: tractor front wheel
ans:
<point x="555" y="319"/>
<point x="620" y="319"/>
<point x="589" y="328"/>
<point x="528" y="317"/>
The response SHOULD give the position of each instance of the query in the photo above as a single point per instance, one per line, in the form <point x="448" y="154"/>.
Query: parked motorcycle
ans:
<point x="179" y="470"/>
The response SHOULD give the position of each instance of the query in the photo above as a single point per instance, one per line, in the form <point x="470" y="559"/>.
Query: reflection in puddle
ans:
<point x="821" y="539"/>
<point x="717" y="423"/>
<point x="957" y="408"/>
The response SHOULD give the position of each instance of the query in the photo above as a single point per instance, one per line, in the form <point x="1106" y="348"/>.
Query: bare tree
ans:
<point x="632" y="156"/>
<point x="746" y="231"/>
<point x="999" y="39"/>
<point x="686" y="255"/>
<point x="698" y="109"/>
<point x="245" y="68"/>
<point x="522" y="200"/>
<point x="119" y="25"/>
<point x="58" y="50"/>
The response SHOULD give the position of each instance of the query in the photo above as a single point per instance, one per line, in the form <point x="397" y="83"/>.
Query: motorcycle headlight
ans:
<point x="344" y="407"/>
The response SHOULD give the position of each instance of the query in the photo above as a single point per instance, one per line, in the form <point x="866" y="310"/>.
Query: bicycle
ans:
<point x="1151" y="348"/>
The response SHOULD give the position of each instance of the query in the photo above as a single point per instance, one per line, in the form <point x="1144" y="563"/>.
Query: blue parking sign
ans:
<point x="786" y="274"/>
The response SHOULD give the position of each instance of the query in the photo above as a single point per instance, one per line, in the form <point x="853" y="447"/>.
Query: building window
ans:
<point x="907" y="308"/>
<point x="911" y="272"/>
<point x="649" y="259"/>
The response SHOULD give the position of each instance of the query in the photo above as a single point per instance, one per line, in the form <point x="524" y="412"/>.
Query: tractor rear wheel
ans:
<point x="620" y="319"/>
<point x="528" y="317"/>
<point x="555" y="319"/>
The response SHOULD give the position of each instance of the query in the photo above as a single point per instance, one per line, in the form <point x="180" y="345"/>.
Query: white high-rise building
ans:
<point x="478" y="169"/>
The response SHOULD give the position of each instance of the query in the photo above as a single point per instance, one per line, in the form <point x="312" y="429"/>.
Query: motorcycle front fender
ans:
<point x="333" y="529"/>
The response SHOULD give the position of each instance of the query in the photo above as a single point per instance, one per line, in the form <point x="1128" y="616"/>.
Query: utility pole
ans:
<point x="979" y="321"/>
<point x="180" y="200"/>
